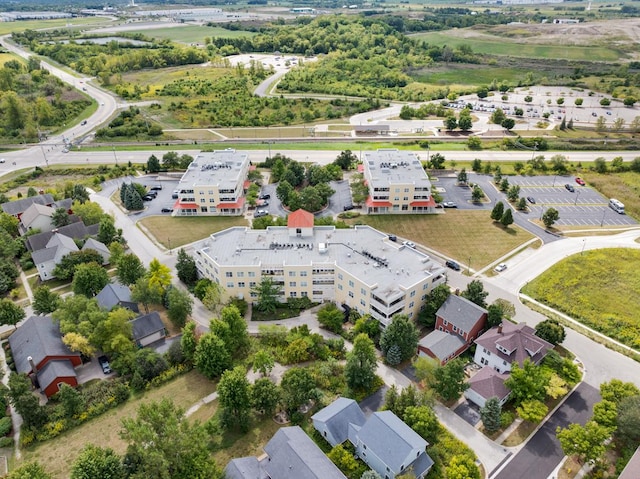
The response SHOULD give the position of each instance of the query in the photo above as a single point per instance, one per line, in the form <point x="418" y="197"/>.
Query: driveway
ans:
<point x="542" y="453"/>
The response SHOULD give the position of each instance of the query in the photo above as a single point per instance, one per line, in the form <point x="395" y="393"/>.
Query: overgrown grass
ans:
<point x="192" y="33"/>
<point x="175" y="232"/>
<point x="598" y="288"/>
<point x="58" y="455"/>
<point x="468" y="75"/>
<point x="623" y="186"/>
<point x="482" y="240"/>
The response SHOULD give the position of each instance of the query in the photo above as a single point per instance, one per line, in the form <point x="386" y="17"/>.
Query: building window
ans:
<point x="455" y="328"/>
<point x="241" y="284"/>
<point x="240" y="274"/>
<point x="292" y="273"/>
<point x="303" y="273"/>
<point x="445" y="322"/>
<point x="252" y="274"/>
<point x="340" y="287"/>
<point x="203" y="209"/>
<point x="304" y="294"/>
<point x="252" y="284"/>
<point x="293" y="294"/>
<point x="230" y="284"/>
<point x="303" y="284"/>
<point x="229" y="274"/>
<point x="339" y="275"/>
<point x="411" y="304"/>
<point x="413" y="293"/>
<point x="351" y="294"/>
<point x="351" y="283"/>
<point x="362" y="302"/>
<point x="363" y="291"/>
<point x="292" y="284"/>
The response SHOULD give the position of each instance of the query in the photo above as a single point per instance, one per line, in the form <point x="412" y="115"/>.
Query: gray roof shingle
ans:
<point x="112" y="295"/>
<point x="33" y="211"/>
<point x="54" y="370"/>
<point x="244" y="468"/>
<point x="519" y="339"/>
<point x="146" y="325"/>
<point x="460" y="312"/>
<point x="632" y="469"/>
<point x="18" y="207"/>
<point x="38" y="337"/>
<point x="76" y="230"/>
<point x="442" y="344"/>
<point x="338" y="415"/>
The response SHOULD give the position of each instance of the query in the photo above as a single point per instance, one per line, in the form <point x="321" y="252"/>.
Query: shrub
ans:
<point x="6" y="441"/>
<point x="5" y="426"/>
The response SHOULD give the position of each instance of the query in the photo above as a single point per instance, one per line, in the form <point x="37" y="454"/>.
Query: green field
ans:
<point x="22" y="25"/>
<point x="468" y="75"/>
<point x="176" y="232"/>
<point x="192" y="33"/>
<point x="598" y="288"/>
<point x="503" y="46"/>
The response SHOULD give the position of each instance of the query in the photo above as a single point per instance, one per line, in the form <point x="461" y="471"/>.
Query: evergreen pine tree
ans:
<point x="394" y="355"/>
<point x="123" y="192"/>
<point x="563" y="123"/>
<point x="490" y="414"/>
<point x="497" y="211"/>
<point x="507" y="217"/>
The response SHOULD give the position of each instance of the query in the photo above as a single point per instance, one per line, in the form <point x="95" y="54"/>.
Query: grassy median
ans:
<point x="175" y="232"/>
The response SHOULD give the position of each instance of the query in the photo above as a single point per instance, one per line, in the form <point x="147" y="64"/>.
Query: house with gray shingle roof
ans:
<point x="509" y="343"/>
<point x="460" y="318"/>
<point x="38" y="350"/>
<point x="47" y="258"/>
<point x="36" y="217"/>
<point x="77" y="230"/>
<point x="334" y="421"/>
<point x="485" y="384"/>
<point x="290" y="454"/>
<point x="632" y="469"/>
<point x="114" y="294"/>
<point x="101" y="248"/>
<point x="147" y="329"/>
<point x="18" y="207"/>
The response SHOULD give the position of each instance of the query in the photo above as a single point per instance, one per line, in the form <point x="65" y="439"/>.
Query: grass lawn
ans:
<point x="58" y="455"/>
<point x="442" y="233"/>
<point x="468" y="75"/>
<point x="520" y="434"/>
<point x="599" y="288"/>
<point x="192" y="33"/>
<point x="182" y="231"/>
<point x="236" y="444"/>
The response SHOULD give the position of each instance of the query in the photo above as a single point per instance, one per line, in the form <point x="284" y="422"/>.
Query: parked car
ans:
<point x="148" y="198"/>
<point x="453" y="265"/>
<point x="260" y="213"/>
<point x="569" y="188"/>
<point x="104" y="364"/>
<point x="580" y="181"/>
<point x="500" y="268"/>
<point x="83" y="122"/>
<point x="348" y="207"/>
<point x="393" y="238"/>
<point x="65" y="150"/>
<point x="2" y="160"/>
<point x="265" y="196"/>
<point x="449" y="204"/>
<point x="167" y="210"/>
<point x="152" y="194"/>
<point x="531" y="200"/>
<point x="410" y="244"/>
<point x="156" y="188"/>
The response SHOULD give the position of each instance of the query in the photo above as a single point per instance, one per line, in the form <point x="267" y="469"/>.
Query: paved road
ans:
<point x="543" y="453"/>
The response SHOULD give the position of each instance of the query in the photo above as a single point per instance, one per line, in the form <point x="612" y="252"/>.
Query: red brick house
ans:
<point x="458" y="323"/>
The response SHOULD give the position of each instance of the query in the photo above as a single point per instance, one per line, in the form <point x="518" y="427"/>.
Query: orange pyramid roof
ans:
<point x="300" y="219"/>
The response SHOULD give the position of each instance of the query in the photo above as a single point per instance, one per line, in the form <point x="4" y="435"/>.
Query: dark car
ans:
<point x="531" y="200"/>
<point x="167" y="210"/>
<point x="453" y="265"/>
<point x="265" y="196"/>
<point x="393" y="238"/>
<point x="156" y="188"/>
<point x="569" y="188"/>
<point x="84" y="122"/>
<point x="148" y="198"/>
<point x="104" y="364"/>
<point x="348" y="207"/>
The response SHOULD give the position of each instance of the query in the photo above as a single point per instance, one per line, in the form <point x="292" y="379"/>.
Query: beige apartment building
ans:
<point x="213" y="185"/>
<point x="358" y="267"/>
<point x="397" y="183"/>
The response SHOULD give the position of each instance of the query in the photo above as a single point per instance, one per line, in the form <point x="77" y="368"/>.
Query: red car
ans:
<point x="580" y="181"/>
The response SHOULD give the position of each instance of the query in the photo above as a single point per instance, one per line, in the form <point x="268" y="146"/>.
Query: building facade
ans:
<point x="397" y="183"/>
<point x="213" y="185"/>
<point x="358" y="267"/>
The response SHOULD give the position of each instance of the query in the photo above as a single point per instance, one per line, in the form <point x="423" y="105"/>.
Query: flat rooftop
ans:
<point x="221" y="168"/>
<point x="392" y="167"/>
<point x="364" y="252"/>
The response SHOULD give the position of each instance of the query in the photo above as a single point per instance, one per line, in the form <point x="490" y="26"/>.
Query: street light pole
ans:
<point x="604" y="212"/>
<point x="469" y="266"/>
<point x="584" y="243"/>
<point x="45" y="155"/>
<point x="578" y="196"/>
<point x="114" y="155"/>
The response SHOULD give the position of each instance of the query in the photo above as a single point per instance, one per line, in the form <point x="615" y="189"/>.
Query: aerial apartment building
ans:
<point x="359" y="268"/>
<point x="397" y="183"/>
<point x="213" y="185"/>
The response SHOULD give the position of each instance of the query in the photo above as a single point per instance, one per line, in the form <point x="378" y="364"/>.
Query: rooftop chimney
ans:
<point x="500" y="328"/>
<point x="33" y="365"/>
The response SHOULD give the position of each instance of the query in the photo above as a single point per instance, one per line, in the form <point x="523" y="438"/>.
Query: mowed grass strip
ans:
<point x="57" y="455"/>
<point x="175" y="232"/>
<point x="458" y="234"/>
<point x="599" y="288"/>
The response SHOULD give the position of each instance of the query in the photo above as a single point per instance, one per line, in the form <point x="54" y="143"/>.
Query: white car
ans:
<point x="500" y="268"/>
<point x="410" y="244"/>
<point x="2" y="160"/>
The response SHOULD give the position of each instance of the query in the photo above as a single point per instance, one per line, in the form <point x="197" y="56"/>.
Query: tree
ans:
<point x="163" y="444"/>
<point x="212" y="296"/>
<point x="494" y="315"/>
<point x="528" y="99"/>
<point x="331" y="318"/>
<point x="450" y="122"/>
<point x="129" y="269"/>
<point x="360" y="369"/>
<point x="107" y="232"/>
<point x="10" y="313"/>
<point x="490" y="414"/>
<point x="587" y="442"/>
<point x="522" y="204"/>
<point x="504" y="184"/>
<point x="77" y="342"/>
<point x="133" y="199"/>
<point x="263" y="362"/>
<point x="507" y="218"/>
<point x="462" y="176"/>
<point x="605" y="102"/>
<point x="95" y="462"/>
<point x="60" y="218"/>
<point x="211" y="357"/>
<point x="497" y="211"/>
<point x="508" y="124"/>
<point x="474" y="143"/>
<point x="235" y="398"/>
<point x="628" y="421"/>
<point x="179" y="307"/>
<point x="346" y="159"/>
<point x="578" y="101"/>
<point x="557" y="386"/>
<point x="435" y="299"/>
<point x="186" y="268"/>
<point x="45" y="301"/>
<point x="422" y="420"/>
<point x="476" y="165"/>
<point x="551" y="330"/>
<point x="267" y="294"/>
<point x="170" y="160"/>
<point x="265" y="396"/>
<point x="464" y="120"/>
<point x="159" y="275"/>
<point x="113" y="334"/>
<point x="450" y="380"/>
<point x="475" y="293"/>
<point x="533" y="411"/>
<point x="629" y="101"/>
<point x="238" y="339"/>
<point x="344" y="460"/>
<point x="370" y="475"/>
<point x="298" y="387"/>
<point x="508" y="309"/>
<point x="616" y="390"/>
<point x="153" y="164"/>
<point x="30" y="470"/>
<point x="143" y="292"/>
<point x="513" y="193"/>
<point x="425" y="368"/>
<point x="89" y="279"/>
<point x="527" y="383"/>
<point x="437" y="161"/>
<point x="189" y="340"/>
<point x="549" y="217"/>
<point x="601" y="123"/>
<point x="401" y="333"/>
<point x="25" y="402"/>
<point x="462" y="467"/>
<point x="66" y="268"/>
<point x="71" y="400"/>
<point x="497" y="117"/>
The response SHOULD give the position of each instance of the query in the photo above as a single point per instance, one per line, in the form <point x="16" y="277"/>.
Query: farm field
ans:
<point x="192" y="33"/>
<point x="10" y="27"/>
<point x="598" y="288"/>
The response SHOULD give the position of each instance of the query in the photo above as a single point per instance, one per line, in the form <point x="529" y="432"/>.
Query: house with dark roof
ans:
<point x="459" y="318"/>
<point x="38" y="351"/>
<point x="334" y="421"/>
<point x="114" y="294"/>
<point x="632" y="469"/>
<point x="101" y="248"/>
<point x="47" y="258"/>
<point x="18" y="207"/>
<point x="485" y="384"/>
<point x="383" y="441"/>
<point x="148" y="329"/>
<point x="36" y="217"/>
<point x="509" y="343"/>
<point x="77" y="230"/>
<point x="289" y="454"/>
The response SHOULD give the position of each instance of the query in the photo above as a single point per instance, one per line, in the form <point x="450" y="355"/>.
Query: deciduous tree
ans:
<point x="234" y="396"/>
<point x="95" y="462"/>
<point x="587" y="442"/>
<point x="10" y="313"/>
<point x="527" y="383"/>
<point x="549" y="217"/>
<point x="616" y="390"/>
<point x="179" y="306"/>
<point x="263" y="362"/>
<point x="628" y="421"/>
<point x="265" y="396"/>
<point x="450" y="380"/>
<point x="331" y="318"/>
<point x="267" y="295"/>
<point x="89" y="279"/>
<point x="211" y="357"/>
<point x="401" y="333"/>
<point x="129" y="269"/>
<point x="497" y="211"/>
<point x="475" y="293"/>
<point x="360" y="369"/>
<point x="30" y="470"/>
<point x="551" y="330"/>
<point x="186" y="268"/>
<point x="45" y="301"/>
<point x="533" y="411"/>
<point x="298" y="387"/>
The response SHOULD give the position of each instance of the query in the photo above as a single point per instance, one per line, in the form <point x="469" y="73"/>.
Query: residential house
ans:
<point x="18" y="207"/>
<point x="77" y="230"/>
<point x="485" y="384"/>
<point x="148" y="329"/>
<point x="334" y="421"/>
<point x="458" y="323"/>
<point x="509" y="343"/>
<point x="101" y="248"/>
<point x="114" y="294"/>
<point x="36" y="217"/>
<point x="289" y="454"/>
<point x="632" y="469"/>
<point x="47" y="258"/>
<point x="38" y="351"/>
<point x="358" y="267"/>
<point x="397" y="183"/>
<point x="383" y="441"/>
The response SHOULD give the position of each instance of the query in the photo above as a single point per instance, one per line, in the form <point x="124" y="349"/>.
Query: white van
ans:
<point x="616" y="206"/>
